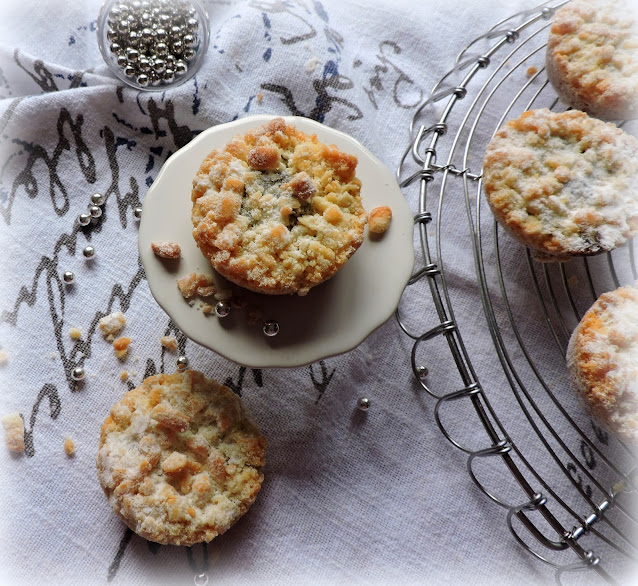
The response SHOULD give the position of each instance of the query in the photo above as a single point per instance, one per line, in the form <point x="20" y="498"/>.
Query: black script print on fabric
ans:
<point x="25" y="180"/>
<point x="49" y="392"/>
<point x="237" y="386"/>
<point x="405" y="93"/>
<point x="331" y="81"/>
<point x="321" y="382"/>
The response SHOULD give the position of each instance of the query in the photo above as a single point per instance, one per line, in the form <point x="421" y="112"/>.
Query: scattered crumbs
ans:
<point x="189" y="284"/>
<point x="4" y="357"/>
<point x="531" y="71"/>
<point x="572" y="281"/>
<point x="75" y="333"/>
<point x="369" y="357"/>
<point x="13" y="431"/>
<point x="121" y="346"/>
<point x="166" y="249"/>
<point x="207" y="309"/>
<point x="260" y="97"/>
<point x="136" y="359"/>
<point x="69" y="447"/>
<point x="379" y="219"/>
<point x="206" y="291"/>
<point x="54" y="355"/>
<point x="124" y="376"/>
<point x="169" y="342"/>
<point x="111" y="325"/>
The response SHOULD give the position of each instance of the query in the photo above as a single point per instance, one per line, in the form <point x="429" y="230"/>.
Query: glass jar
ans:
<point x="153" y="44"/>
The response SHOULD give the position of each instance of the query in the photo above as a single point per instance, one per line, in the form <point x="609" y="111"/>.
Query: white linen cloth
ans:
<point x="349" y="497"/>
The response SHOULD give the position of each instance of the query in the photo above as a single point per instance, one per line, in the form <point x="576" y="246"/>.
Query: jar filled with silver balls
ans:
<point x="153" y="44"/>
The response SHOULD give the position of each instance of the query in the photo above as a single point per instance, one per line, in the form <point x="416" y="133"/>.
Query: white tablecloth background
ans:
<point x="348" y="497"/>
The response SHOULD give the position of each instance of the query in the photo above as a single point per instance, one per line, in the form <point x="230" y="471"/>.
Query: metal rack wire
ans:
<point x="565" y="485"/>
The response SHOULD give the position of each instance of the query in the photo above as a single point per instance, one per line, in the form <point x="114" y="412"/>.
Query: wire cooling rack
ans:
<point x="565" y="487"/>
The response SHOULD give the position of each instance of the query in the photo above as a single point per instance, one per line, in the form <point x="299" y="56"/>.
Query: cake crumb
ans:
<point x="379" y="219"/>
<point x="260" y="97"/>
<point x="69" y="447"/>
<point x="13" y="432"/>
<point x="111" y="325"/>
<point x="190" y="284"/>
<point x="4" y="357"/>
<point x="124" y="376"/>
<point x="207" y="309"/>
<point x="206" y="291"/>
<point x="531" y="71"/>
<point x="166" y="249"/>
<point x="573" y="281"/>
<point x="121" y="347"/>
<point x="169" y="342"/>
<point x="75" y="333"/>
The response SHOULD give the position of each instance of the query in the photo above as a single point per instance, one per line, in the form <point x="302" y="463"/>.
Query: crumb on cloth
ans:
<point x="69" y="447"/>
<point x="169" y="342"/>
<point x="121" y="346"/>
<point x="112" y="324"/>
<point x="13" y="431"/>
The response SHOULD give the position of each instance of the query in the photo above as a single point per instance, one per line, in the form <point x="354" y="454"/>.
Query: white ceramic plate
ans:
<point x="333" y="318"/>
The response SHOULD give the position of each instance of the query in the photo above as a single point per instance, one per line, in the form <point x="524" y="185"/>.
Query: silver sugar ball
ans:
<point x="115" y="48"/>
<point x="161" y="35"/>
<point x="137" y="212"/>
<point x="421" y="371"/>
<point x="144" y="65"/>
<point x="95" y="211"/>
<point x="159" y="66"/>
<point x="222" y="309"/>
<point x="77" y="373"/>
<point x="143" y="79"/>
<point x="129" y="71"/>
<point x="155" y="78"/>
<point x="182" y="363"/>
<point x="177" y="46"/>
<point x="84" y="219"/>
<point x="192" y="24"/>
<point x="68" y="277"/>
<point x="189" y="40"/>
<point x="271" y="328"/>
<point x="363" y="404"/>
<point x="180" y="68"/>
<point x="147" y="34"/>
<point x="176" y="31"/>
<point x="97" y="199"/>
<point x="169" y="76"/>
<point x="189" y="54"/>
<point x="88" y="252"/>
<point x="132" y="54"/>
<point x="170" y="61"/>
<point x="161" y="49"/>
<point x="133" y="38"/>
<point x="122" y="61"/>
<point x="111" y="35"/>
